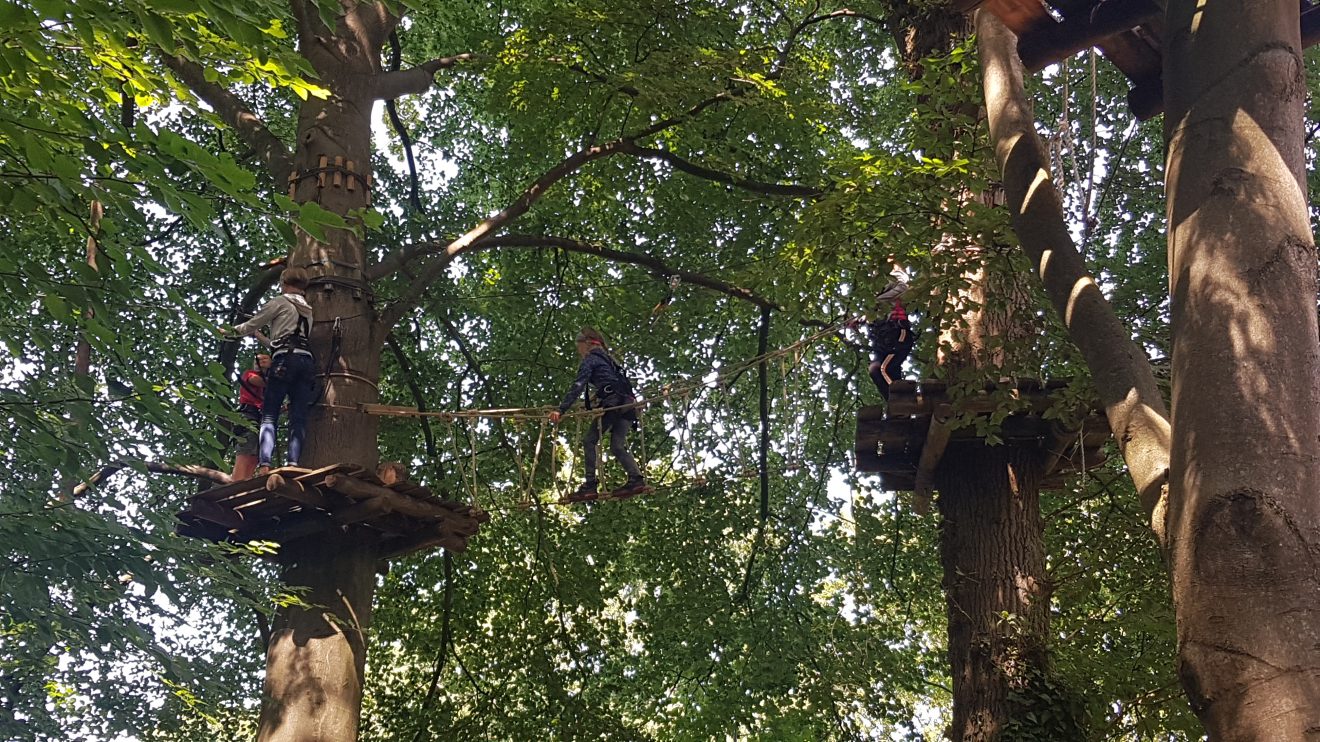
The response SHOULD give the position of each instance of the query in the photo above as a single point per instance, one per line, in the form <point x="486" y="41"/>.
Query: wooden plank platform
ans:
<point x="292" y="503"/>
<point x="905" y="446"/>
<point x="1129" y="33"/>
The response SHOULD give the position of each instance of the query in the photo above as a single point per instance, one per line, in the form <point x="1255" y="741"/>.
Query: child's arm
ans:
<point x="575" y="391"/>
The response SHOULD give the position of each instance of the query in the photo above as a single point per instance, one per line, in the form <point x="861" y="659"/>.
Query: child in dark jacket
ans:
<point x="599" y="371"/>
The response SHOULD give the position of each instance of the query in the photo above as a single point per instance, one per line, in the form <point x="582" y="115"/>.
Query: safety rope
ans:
<point x="666" y="392"/>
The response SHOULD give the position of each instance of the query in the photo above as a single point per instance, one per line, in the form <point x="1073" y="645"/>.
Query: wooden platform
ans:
<point x="905" y="446"/>
<point x="293" y="503"/>
<point x="1129" y="33"/>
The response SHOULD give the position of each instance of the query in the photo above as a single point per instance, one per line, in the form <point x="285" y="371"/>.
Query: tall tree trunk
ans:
<point x="991" y="536"/>
<point x="993" y="554"/>
<point x="1244" y="514"/>
<point x="1123" y="378"/>
<point x="317" y="653"/>
<point x="316" y="659"/>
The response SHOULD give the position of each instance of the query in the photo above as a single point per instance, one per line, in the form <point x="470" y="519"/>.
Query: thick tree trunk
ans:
<point x="316" y="659"/>
<point x="1244" y="513"/>
<point x="992" y="539"/>
<point x="317" y="653"/>
<point x="1122" y="375"/>
<point x="993" y="553"/>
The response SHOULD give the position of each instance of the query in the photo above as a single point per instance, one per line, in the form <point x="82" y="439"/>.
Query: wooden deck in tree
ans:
<point x="1129" y="33"/>
<point x="906" y="446"/>
<point x="292" y="503"/>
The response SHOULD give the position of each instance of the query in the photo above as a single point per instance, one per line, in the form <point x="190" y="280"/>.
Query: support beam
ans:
<point x="937" y="439"/>
<point x="1081" y="30"/>
<point x="390" y="500"/>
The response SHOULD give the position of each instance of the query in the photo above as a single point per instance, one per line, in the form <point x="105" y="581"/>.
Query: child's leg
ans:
<point x="619" y="446"/>
<point x="302" y="389"/>
<point x="591" y="448"/>
<point x="272" y="400"/>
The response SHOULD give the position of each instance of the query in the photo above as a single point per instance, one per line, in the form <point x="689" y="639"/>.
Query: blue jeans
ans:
<point x="291" y="375"/>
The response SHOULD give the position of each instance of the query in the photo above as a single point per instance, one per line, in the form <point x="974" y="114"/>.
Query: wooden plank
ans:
<point x="1082" y="30"/>
<point x="212" y="513"/>
<point x="295" y="490"/>
<point x="871" y="433"/>
<point x="395" y="548"/>
<point x="885" y="463"/>
<point x="395" y="502"/>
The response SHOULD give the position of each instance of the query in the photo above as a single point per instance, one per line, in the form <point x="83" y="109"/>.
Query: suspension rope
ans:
<point x="725" y="376"/>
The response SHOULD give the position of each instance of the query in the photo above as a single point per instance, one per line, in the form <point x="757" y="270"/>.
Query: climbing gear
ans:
<point x="297" y="341"/>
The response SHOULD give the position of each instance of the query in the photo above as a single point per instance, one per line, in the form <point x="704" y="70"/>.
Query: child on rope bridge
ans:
<point x="600" y="371"/>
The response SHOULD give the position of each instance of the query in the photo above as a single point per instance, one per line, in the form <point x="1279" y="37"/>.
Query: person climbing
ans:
<point x="600" y="371"/>
<point x="891" y="338"/>
<point x="292" y="373"/>
<point x="251" y="387"/>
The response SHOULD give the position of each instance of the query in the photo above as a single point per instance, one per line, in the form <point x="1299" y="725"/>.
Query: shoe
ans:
<point x="634" y="486"/>
<point x="588" y="490"/>
<point x="261" y="470"/>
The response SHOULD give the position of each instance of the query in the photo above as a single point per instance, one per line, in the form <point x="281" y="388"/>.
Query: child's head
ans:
<point x="589" y="338"/>
<point x="294" y="278"/>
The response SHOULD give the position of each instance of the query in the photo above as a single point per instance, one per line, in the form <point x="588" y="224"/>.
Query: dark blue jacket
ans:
<point x="598" y="370"/>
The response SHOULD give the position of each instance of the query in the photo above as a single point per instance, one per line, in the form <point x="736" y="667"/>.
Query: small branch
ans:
<point x="187" y="470"/>
<point x="414" y="80"/>
<point x="782" y="60"/>
<point x="678" y="163"/>
<point x="762" y="347"/>
<point x="446" y="638"/>
<point x="238" y="114"/>
<point x="414" y="196"/>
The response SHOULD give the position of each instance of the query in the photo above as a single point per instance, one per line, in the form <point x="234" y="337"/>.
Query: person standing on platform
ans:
<point x="292" y="373"/>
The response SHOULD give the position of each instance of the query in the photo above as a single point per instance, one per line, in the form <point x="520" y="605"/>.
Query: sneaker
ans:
<point x="634" y="486"/>
<point x="587" y="491"/>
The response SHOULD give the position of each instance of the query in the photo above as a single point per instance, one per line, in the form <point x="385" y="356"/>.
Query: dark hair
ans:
<point x="295" y="277"/>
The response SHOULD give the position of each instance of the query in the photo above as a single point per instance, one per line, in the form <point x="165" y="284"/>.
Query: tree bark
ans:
<point x="991" y="536"/>
<point x="993" y="553"/>
<point x="317" y="653"/>
<point x="1123" y="378"/>
<point x="1244" y="516"/>
<point x="316" y="658"/>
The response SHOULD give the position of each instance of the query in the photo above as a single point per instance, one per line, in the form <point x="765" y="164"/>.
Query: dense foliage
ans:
<point x="682" y="615"/>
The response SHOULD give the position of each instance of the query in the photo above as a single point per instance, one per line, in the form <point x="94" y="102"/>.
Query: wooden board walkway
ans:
<point x="292" y="503"/>
<point x="906" y="445"/>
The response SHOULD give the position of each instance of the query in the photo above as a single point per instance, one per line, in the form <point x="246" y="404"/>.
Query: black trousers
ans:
<point x="888" y="363"/>
<point x="618" y="425"/>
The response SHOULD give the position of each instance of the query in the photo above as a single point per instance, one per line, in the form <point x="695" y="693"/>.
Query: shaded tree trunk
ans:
<point x="991" y="537"/>
<point x="993" y="553"/>
<point x="1244" y="515"/>
<point x="317" y="653"/>
<point x="1122" y="376"/>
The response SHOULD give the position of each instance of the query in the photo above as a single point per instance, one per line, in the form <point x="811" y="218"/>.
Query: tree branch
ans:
<point x="238" y="114"/>
<point x="414" y="80"/>
<point x="678" y="163"/>
<point x="187" y="470"/>
<point x="658" y="266"/>
<point x="782" y="60"/>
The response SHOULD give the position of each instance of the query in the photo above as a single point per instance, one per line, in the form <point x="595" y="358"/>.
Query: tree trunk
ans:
<point x="315" y="662"/>
<point x="992" y="539"/>
<point x="1244" y="515"/>
<point x="1123" y="379"/>
<point x="317" y="654"/>
<point x="993" y="553"/>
